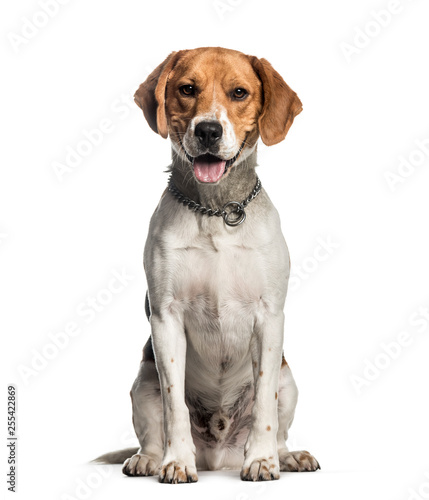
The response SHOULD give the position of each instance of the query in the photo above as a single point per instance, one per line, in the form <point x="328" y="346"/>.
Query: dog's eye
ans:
<point x="187" y="90"/>
<point x="239" y="93"/>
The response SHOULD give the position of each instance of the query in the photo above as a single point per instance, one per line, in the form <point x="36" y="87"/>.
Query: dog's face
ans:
<point x="215" y="103"/>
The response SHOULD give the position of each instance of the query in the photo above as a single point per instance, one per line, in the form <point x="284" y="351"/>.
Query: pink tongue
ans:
<point x="208" y="172"/>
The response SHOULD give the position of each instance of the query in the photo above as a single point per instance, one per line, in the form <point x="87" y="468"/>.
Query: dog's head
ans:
<point x="215" y="103"/>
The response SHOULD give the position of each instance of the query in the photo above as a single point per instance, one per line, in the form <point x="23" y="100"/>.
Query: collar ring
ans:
<point x="238" y="214"/>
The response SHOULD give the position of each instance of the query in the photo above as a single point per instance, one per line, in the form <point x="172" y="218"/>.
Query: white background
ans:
<point x="61" y="237"/>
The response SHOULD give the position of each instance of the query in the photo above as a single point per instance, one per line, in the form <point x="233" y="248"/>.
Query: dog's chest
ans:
<point x="219" y="281"/>
<point x="219" y="284"/>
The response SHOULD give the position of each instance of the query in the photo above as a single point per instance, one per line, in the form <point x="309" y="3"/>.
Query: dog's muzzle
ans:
<point x="209" y="168"/>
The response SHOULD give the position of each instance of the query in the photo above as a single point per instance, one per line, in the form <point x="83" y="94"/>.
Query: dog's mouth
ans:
<point x="209" y="168"/>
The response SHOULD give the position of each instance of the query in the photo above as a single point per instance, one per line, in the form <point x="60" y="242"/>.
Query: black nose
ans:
<point x="208" y="132"/>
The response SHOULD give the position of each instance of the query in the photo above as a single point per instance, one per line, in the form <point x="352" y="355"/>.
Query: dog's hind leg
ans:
<point x="293" y="461"/>
<point x="147" y="419"/>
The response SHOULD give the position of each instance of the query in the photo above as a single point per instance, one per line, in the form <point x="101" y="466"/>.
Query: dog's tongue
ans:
<point x="208" y="171"/>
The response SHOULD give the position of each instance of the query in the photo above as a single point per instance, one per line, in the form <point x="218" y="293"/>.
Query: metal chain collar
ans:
<point x="232" y="208"/>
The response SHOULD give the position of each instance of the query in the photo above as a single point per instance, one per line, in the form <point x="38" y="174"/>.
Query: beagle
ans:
<point x="213" y="390"/>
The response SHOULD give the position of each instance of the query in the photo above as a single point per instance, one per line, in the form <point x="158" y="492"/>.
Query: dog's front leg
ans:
<point x="169" y="343"/>
<point x="261" y="462"/>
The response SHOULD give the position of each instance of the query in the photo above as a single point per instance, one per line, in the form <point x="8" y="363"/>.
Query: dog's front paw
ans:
<point x="177" y="471"/>
<point x="140" y="465"/>
<point x="297" y="461"/>
<point x="262" y="469"/>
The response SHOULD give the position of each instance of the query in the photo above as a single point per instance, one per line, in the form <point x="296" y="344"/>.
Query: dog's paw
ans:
<point x="175" y="472"/>
<point x="263" y="469"/>
<point x="140" y="465"/>
<point x="297" y="461"/>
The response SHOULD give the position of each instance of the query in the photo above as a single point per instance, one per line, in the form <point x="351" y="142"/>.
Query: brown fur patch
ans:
<point x="276" y="396"/>
<point x="268" y="427"/>
<point x="172" y="360"/>
<point x="261" y="373"/>
<point x="284" y="362"/>
<point x="281" y="104"/>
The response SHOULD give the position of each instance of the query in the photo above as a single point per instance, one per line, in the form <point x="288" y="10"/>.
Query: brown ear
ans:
<point x="281" y="104"/>
<point x="150" y="96"/>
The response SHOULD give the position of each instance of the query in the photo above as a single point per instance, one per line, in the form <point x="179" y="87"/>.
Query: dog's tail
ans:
<point x="116" y="457"/>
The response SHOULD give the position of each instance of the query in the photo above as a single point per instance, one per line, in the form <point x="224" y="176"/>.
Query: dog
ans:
<point x="214" y="390"/>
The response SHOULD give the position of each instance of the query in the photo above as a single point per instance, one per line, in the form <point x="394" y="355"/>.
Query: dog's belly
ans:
<point x="219" y="395"/>
<point x="218" y="330"/>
